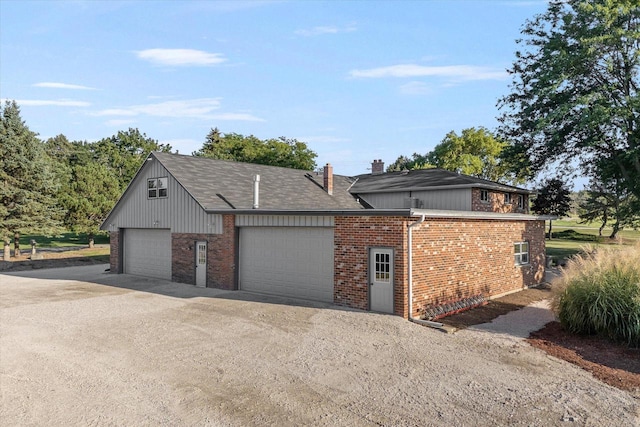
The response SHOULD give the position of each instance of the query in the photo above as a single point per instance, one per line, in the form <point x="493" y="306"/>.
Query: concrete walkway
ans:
<point x="520" y="323"/>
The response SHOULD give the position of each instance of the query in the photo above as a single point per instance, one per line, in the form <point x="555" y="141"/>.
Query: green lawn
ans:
<point x="62" y="240"/>
<point x="569" y="237"/>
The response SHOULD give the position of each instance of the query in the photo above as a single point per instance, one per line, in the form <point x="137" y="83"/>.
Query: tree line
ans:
<point x="56" y="185"/>
<point x="573" y="107"/>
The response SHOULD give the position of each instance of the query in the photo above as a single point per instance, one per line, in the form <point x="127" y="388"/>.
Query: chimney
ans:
<point x="377" y="167"/>
<point x="256" y="191"/>
<point x="328" y="179"/>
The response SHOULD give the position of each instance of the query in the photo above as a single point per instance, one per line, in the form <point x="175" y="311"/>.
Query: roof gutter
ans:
<point x="410" y="263"/>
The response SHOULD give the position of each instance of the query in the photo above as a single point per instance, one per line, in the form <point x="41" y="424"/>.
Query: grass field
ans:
<point x="569" y="237"/>
<point x="62" y="240"/>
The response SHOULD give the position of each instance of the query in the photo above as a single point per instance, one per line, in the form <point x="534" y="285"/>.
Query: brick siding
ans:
<point x="496" y="202"/>
<point x="459" y="258"/>
<point x="221" y="249"/>
<point x="353" y="237"/>
<point x="114" y="252"/>
<point x="452" y="259"/>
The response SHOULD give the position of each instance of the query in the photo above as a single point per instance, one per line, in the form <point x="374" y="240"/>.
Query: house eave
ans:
<point x="504" y="188"/>
<point x="312" y="212"/>
<point x="498" y="216"/>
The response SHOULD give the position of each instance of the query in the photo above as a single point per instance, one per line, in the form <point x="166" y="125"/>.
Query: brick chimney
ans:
<point x="328" y="179"/>
<point x="377" y="167"/>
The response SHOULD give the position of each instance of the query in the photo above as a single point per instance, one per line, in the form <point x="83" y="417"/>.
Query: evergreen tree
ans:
<point x="28" y="184"/>
<point x="89" y="196"/>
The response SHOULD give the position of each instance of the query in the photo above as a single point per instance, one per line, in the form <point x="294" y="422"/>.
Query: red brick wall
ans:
<point x="496" y="202"/>
<point x="221" y="250"/>
<point x="459" y="258"/>
<point x="353" y="236"/>
<point x="452" y="258"/>
<point x="114" y="254"/>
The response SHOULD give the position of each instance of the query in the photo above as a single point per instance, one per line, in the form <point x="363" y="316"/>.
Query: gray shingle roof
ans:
<point x="424" y="179"/>
<point x="226" y="185"/>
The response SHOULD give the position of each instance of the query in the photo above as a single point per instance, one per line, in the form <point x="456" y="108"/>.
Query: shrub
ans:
<point x="599" y="293"/>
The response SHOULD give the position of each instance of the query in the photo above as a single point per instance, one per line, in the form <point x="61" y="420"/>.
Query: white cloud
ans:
<point x="318" y="31"/>
<point x="462" y="72"/>
<point x="54" y="85"/>
<point x="50" y="103"/>
<point x="180" y="57"/>
<point x="415" y="88"/>
<point x="203" y="108"/>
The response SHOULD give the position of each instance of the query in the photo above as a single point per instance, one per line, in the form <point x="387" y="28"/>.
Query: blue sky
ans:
<point x="355" y="80"/>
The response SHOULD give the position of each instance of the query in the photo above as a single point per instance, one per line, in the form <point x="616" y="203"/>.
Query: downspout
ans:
<point x="410" y="264"/>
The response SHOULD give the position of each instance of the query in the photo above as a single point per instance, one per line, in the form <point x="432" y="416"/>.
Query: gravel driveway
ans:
<point x="82" y="347"/>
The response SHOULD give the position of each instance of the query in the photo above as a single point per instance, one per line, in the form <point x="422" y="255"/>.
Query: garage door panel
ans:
<point x="288" y="261"/>
<point x="147" y="253"/>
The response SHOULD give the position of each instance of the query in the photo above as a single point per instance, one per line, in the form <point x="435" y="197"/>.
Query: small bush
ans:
<point x="599" y="293"/>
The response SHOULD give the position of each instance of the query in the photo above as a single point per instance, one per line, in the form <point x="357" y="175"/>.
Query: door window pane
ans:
<point x="383" y="267"/>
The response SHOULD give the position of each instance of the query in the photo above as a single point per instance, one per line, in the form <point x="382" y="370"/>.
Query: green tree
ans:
<point x="284" y="152"/>
<point x="89" y="196"/>
<point x="476" y="152"/>
<point x="553" y="198"/>
<point x="610" y="200"/>
<point x="124" y="153"/>
<point x="28" y="185"/>
<point x="574" y="95"/>
<point x="417" y="161"/>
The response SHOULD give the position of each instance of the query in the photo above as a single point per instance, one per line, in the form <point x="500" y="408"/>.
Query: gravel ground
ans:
<point x="81" y="347"/>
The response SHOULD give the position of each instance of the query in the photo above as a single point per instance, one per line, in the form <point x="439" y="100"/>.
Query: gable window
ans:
<point x="507" y="198"/>
<point x="157" y="188"/>
<point x="484" y="195"/>
<point x="521" y="253"/>
<point x="521" y="201"/>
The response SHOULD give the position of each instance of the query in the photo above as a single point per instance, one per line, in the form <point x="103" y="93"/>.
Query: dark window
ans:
<point x="157" y="187"/>
<point x="484" y="195"/>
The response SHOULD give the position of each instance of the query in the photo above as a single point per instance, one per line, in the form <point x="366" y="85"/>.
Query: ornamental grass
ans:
<point x="599" y="293"/>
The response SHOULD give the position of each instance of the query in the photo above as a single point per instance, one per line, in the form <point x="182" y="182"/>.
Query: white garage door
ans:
<point x="288" y="261"/>
<point x="147" y="253"/>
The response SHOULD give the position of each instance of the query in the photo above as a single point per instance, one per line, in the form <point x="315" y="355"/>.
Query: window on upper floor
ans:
<point x="484" y="195"/>
<point x="521" y="201"/>
<point x="157" y="188"/>
<point x="507" y="198"/>
<point x="521" y="253"/>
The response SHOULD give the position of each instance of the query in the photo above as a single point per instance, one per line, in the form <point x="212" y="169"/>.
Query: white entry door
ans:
<point x="381" y="279"/>
<point x="201" y="264"/>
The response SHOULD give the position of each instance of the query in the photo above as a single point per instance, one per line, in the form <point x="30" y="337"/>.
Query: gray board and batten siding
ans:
<point x="178" y="212"/>
<point x="284" y="221"/>
<point x="450" y="199"/>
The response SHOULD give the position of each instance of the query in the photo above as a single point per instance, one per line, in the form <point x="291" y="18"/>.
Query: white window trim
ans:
<point x="507" y="198"/>
<point x="521" y="256"/>
<point x="521" y="201"/>
<point x="485" y="200"/>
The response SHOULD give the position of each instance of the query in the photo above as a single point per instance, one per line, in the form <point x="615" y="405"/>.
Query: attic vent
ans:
<point x="413" y="202"/>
